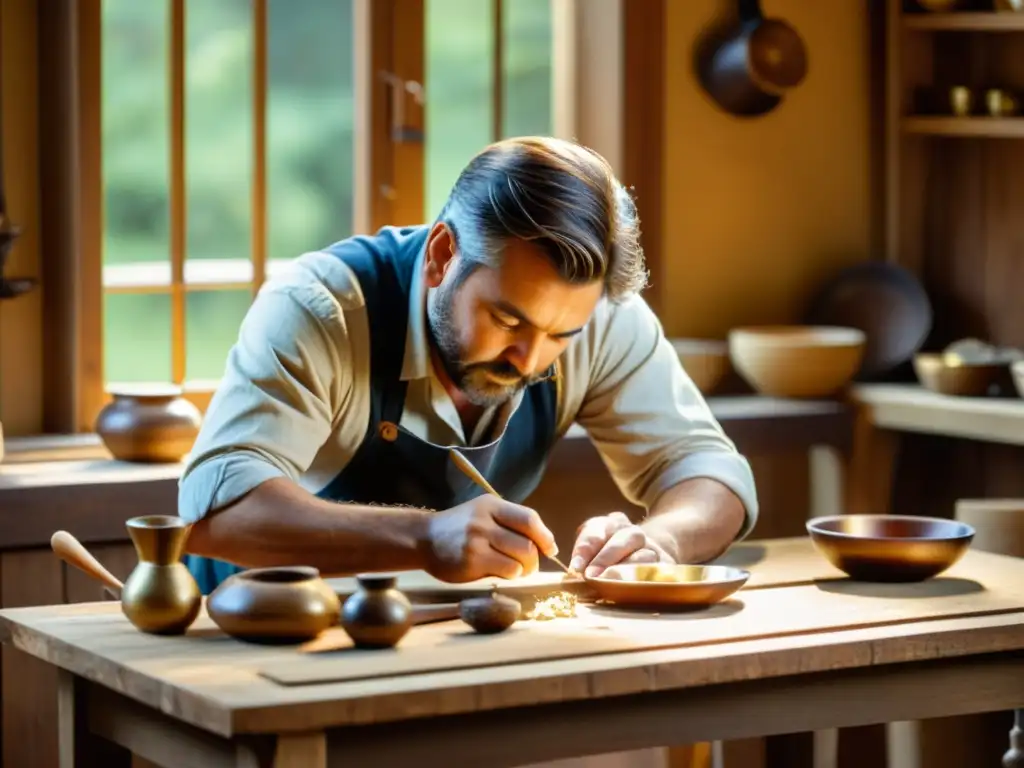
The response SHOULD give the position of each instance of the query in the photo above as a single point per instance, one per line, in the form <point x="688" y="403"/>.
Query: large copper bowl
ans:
<point x="890" y="548"/>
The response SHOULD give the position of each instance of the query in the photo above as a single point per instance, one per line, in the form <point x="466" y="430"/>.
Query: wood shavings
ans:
<point x="560" y="605"/>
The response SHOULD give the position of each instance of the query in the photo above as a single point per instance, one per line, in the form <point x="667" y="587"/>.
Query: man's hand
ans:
<point x="485" y="537"/>
<point x="611" y="539"/>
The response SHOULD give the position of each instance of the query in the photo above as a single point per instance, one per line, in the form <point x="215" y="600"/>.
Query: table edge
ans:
<point x="622" y="674"/>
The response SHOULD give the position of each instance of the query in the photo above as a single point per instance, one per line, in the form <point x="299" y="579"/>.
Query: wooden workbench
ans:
<point x="801" y="648"/>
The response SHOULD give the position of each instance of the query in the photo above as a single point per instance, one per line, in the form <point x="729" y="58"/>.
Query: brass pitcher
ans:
<point x="160" y="596"/>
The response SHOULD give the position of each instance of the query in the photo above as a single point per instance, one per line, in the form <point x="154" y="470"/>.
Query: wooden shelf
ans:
<point x="911" y="408"/>
<point x="982" y="127"/>
<point x="991" y="21"/>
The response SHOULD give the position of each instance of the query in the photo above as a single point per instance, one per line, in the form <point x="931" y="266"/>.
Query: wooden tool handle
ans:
<point x="70" y="550"/>
<point x="472" y="472"/>
<point x="428" y="614"/>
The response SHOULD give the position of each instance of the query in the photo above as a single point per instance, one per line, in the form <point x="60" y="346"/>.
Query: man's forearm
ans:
<point x="278" y="523"/>
<point x="695" y="520"/>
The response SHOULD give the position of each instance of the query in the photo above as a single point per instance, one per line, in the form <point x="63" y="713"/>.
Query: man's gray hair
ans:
<point x="557" y="194"/>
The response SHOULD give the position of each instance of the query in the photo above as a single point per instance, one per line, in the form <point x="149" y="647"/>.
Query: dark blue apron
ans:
<point x="392" y="467"/>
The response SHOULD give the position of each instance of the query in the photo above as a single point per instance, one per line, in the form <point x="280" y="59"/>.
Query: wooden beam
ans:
<point x="21" y="319"/>
<point x="608" y="93"/>
<point x="259" y="144"/>
<point x="178" y="190"/>
<point x="71" y="188"/>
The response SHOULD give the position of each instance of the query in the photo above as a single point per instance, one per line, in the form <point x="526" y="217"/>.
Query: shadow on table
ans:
<point x="937" y="587"/>
<point x="742" y="555"/>
<point x="671" y="613"/>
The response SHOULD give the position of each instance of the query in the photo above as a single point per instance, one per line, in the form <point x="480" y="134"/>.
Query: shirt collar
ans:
<point x="416" y="362"/>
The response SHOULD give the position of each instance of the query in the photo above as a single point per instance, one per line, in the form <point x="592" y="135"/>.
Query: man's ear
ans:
<point x="439" y="255"/>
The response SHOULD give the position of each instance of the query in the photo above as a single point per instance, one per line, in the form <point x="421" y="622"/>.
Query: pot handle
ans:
<point x="750" y="11"/>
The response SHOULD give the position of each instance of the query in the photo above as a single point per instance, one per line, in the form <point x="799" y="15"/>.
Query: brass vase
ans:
<point x="160" y="596"/>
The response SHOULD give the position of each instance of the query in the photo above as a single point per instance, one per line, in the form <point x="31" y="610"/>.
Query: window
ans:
<point x="231" y="143"/>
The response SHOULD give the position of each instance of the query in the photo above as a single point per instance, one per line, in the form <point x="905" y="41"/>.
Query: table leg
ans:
<point x="1014" y="757"/>
<point x="78" y="747"/>
<point x="870" y="467"/>
<point x="302" y="750"/>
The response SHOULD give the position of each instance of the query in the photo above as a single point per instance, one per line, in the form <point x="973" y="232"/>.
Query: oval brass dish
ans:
<point x="890" y="548"/>
<point x="665" y="584"/>
<point x="274" y="605"/>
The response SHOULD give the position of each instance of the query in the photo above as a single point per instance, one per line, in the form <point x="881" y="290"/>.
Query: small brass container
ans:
<point x="1001" y="103"/>
<point x="961" y="100"/>
<point x="160" y="596"/>
<point x="890" y="548"/>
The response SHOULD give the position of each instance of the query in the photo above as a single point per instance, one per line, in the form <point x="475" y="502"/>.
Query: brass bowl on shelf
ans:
<point x="1011" y="6"/>
<point x="1017" y="370"/>
<point x="706" y="361"/>
<point x="890" y="548"/>
<point x="948" y="374"/>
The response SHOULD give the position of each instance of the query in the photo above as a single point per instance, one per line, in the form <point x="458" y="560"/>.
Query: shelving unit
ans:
<point x="984" y="21"/>
<point x="978" y="127"/>
<point x="912" y="408"/>
<point x="955" y="185"/>
<point x="955" y="189"/>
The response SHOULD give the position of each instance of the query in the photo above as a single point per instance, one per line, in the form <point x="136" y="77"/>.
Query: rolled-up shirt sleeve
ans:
<point x="649" y="421"/>
<point x="275" y="403"/>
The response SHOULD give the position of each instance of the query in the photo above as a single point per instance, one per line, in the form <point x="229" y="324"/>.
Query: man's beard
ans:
<point x="472" y="379"/>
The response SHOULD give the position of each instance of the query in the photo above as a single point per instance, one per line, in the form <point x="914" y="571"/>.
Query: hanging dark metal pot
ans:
<point x="749" y="71"/>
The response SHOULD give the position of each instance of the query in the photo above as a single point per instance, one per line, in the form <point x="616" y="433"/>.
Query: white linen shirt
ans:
<point x="294" y="400"/>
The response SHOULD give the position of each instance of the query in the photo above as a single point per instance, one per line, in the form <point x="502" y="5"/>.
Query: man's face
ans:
<point x="498" y="329"/>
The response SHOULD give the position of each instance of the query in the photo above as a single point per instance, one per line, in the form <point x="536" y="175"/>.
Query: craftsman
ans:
<point x="493" y="329"/>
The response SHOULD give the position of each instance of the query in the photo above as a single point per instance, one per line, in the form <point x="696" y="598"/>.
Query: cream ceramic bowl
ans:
<point x="706" y="361"/>
<point x="797" y="360"/>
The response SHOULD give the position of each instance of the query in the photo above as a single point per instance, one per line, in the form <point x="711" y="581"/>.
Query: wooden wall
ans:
<point x="21" y="319"/>
<point x="758" y="212"/>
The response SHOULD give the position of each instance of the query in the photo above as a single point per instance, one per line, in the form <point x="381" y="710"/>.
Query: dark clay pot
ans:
<point x="274" y="605"/>
<point x="377" y="615"/>
<point x="149" y="425"/>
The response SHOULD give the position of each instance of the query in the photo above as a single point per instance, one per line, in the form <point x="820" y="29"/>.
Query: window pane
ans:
<point x="212" y="321"/>
<point x="459" y="50"/>
<point x="135" y="135"/>
<point x="137" y="337"/>
<point x="309" y="125"/>
<point x="526" y="68"/>
<point x="218" y="128"/>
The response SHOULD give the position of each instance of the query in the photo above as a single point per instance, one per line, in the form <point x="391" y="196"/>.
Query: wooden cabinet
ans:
<point x="954" y="173"/>
<point x="35" y="576"/>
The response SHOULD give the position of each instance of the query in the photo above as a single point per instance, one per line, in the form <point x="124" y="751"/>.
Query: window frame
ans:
<point x="599" y="45"/>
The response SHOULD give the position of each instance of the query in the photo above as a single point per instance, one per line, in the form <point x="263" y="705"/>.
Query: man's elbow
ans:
<point x="200" y="540"/>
